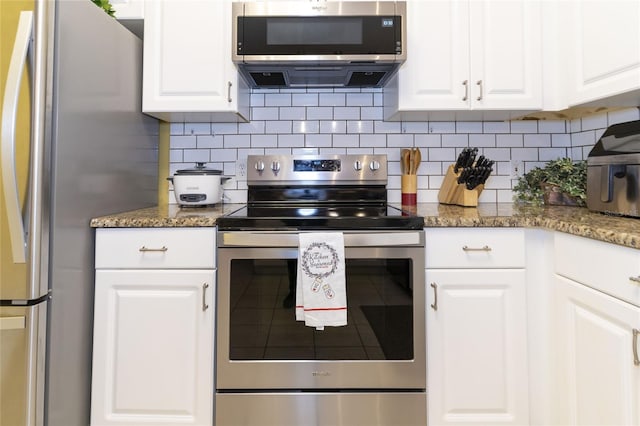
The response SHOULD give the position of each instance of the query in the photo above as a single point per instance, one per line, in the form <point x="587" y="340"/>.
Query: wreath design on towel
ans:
<point x="320" y="256"/>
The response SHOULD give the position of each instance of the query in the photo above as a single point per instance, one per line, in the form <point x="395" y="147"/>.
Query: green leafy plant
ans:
<point x="561" y="181"/>
<point x="106" y="5"/>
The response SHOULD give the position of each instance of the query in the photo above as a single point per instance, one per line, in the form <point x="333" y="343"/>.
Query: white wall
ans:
<point x="350" y="121"/>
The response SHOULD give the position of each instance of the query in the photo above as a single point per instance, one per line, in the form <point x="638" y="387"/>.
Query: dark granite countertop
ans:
<point x="573" y="220"/>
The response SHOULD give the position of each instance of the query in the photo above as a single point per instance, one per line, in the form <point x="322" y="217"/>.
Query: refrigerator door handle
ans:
<point x="8" y="136"/>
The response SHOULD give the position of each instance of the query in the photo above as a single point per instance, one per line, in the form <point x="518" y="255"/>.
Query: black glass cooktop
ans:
<point x="307" y="217"/>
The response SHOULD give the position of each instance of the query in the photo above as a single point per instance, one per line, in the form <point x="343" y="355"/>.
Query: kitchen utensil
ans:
<point x="404" y="161"/>
<point x="417" y="160"/>
<point x="198" y="186"/>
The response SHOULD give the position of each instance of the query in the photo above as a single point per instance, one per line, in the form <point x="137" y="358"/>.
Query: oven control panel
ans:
<point x="317" y="169"/>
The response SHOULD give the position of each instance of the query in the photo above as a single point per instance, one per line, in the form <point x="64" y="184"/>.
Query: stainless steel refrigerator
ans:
<point x="75" y="145"/>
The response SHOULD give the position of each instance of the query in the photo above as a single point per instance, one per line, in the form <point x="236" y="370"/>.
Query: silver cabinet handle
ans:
<point x="205" y="286"/>
<point x="17" y="64"/>
<point x="434" y="305"/>
<point x="466" y="90"/>
<point x="479" y="83"/>
<point x="635" y="279"/>
<point x="145" y="249"/>
<point x="636" y="360"/>
<point x="485" y="248"/>
<point x="229" y="84"/>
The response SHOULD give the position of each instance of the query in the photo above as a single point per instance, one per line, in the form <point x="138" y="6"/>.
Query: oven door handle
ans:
<point x="288" y="239"/>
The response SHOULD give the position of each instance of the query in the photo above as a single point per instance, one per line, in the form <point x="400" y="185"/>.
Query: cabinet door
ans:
<point x="598" y="376"/>
<point x="437" y="66"/>
<point x="605" y="62"/>
<point x="477" y="347"/>
<point x="153" y="347"/>
<point x="506" y="64"/>
<point x="188" y="73"/>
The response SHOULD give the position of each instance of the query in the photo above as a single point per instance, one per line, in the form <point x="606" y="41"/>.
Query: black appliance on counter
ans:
<point x="613" y="171"/>
<point x="272" y="369"/>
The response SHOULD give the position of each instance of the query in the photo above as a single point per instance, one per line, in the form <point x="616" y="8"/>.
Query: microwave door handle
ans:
<point x="9" y="113"/>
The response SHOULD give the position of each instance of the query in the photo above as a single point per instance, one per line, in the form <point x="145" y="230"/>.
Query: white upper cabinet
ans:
<point x="188" y="72"/>
<point x="469" y="59"/>
<point x="604" y="52"/>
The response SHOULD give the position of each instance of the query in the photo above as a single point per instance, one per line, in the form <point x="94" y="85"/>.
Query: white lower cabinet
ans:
<point x="596" y="351"/>
<point x="153" y="332"/>
<point x="476" y="327"/>
<point x="597" y="321"/>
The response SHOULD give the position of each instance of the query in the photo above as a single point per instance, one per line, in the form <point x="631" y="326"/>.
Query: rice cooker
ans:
<point x="198" y="186"/>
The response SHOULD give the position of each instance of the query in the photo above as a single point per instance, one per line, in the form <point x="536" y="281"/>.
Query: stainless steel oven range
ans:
<point x="273" y="370"/>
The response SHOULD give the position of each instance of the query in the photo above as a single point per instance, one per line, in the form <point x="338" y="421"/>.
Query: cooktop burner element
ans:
<point x="318" y="192"/>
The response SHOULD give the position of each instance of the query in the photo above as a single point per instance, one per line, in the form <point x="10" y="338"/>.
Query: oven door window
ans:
<point x="262" y="313"/>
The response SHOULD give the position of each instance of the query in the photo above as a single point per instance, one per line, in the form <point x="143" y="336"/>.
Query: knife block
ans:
<point x="452" y="192"/>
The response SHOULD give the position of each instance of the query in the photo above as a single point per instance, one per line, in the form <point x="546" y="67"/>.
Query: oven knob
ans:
<point x="374" y="165"/>
<point x="358" y="165"/>
<point x="275" y="166"/>
<point x="259" y="166"/>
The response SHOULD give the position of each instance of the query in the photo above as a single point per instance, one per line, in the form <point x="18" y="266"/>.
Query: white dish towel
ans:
<point x="321" y="296"/>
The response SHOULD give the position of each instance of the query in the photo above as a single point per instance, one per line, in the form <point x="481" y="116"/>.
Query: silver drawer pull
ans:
<point x="205" y="286"/>
<point x="485" y="248"/>
<point x="434" y="305"/>
<point x="144" y="249"/>
<point x="635" y="279"/>
<point x="636" y="361"/>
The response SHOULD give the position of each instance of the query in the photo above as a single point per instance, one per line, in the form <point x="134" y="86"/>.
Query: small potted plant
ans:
<point x="560" y="182"/>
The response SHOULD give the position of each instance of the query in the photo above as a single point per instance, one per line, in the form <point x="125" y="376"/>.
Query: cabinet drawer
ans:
<point x="607" y="267"/>
<point x="154" y="248"/>
<point x="475" y="248"/>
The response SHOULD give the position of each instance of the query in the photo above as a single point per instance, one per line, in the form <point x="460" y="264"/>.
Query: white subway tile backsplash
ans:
<point x="197" y="128"/>
<point x="183" y="142"/>
<point x="329" y="121"/>
<point x="291" y="141"/>
<point x="305" y="127"/>
<point x="496" y="127"/>
<point x="210" y="141"/>
<point x="552" y="126"/>
<point x="482" y="141"/>
<point x="278" y="127"/>
<point x="359" y="99"/>
<point x="224" y="128"/>
<point x="373" y="140"/>
<point x="277" y="99"/>
<point x="400" y="141"/>
<point x="505" y="141"/>
<point x="264" y="141"/>
<point x="537" y="140"/>
<point x="442" y="127"/>
<point x="293" y="113"/>
<point x="332" y="99"/>
<point x="548" y="154"/>
<point x="264" y="113"/>
<point x="176" y="129"/>
<point x="359" y="126"/>
<point x="305" y="99"/>
<point x="469" y="127"/>
<point x="624" y="115"/>
<point x="333" y="126"/>
<point x="346" y="141"/>
<point x="346" y="113"/>
<point x="237" y="141"/>
<point x="592" y="122"/>
<point x="455" y="141"/>
<point x="528" y="126"/>
<point x="320" y="113"/>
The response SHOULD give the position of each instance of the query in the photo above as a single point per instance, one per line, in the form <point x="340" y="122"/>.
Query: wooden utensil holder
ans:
<point x="452" y="192"/>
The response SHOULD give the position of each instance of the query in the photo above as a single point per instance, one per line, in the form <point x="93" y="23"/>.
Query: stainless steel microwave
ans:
<point x="318" y="43"/>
